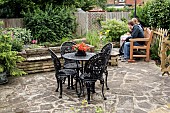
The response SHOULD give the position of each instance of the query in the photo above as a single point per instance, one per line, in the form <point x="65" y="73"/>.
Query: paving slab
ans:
<point x="134" y="88"/>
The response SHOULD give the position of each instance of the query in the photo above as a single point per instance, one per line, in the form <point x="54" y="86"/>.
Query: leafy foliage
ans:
<point x="8" y="58"/>
<point x="93" y="38"/>
<point x="116" y="29"/>
<point x="154" y="50"/>
<point x="154" y="13"/>
<point x="113" y="9"/>
<point x="52" y="24"/>
<point x="17" y="45"/>
<point x="15" y="8"/>
<point x="89" y="4"/>
<point x="159" y="15"/>
<point x="21" y="34"/>
<point x="141" y="12"/>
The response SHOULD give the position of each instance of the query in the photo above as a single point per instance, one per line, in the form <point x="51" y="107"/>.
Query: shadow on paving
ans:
<point x="134" y="88"/>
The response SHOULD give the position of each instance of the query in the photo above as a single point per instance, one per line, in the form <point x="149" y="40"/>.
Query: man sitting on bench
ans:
<point x="136" y="32"/>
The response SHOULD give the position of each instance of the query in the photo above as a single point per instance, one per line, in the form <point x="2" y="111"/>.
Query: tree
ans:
<point x="15" y="8"/>
<point x="158" y="12"/>
<point x="154" y="13"/>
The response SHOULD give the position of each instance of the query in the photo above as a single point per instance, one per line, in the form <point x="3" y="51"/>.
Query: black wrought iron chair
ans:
<point x="61" y="74"/>
<point x="66" y="47"/>
<point x="93" y="71"/>
<point x="107" y="49"/>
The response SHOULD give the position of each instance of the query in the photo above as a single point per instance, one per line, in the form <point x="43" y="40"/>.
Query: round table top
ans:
<point x="71" y="56"/>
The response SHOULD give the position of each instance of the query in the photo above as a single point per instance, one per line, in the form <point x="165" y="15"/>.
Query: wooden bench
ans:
<point x="148" y="34"/>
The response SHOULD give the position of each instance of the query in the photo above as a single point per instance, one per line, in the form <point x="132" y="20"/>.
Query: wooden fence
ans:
<point x="14" y="22"/>
<point x="161" y="35"/>
<point x="88" y="21"/>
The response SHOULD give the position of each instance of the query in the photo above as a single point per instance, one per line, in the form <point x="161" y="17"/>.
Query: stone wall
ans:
<point x="39" y="59"/>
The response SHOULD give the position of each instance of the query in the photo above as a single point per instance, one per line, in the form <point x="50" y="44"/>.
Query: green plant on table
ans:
<point x="9" y="58"/>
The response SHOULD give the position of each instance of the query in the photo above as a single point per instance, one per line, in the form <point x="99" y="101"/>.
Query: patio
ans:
<point x="134" y="88"/>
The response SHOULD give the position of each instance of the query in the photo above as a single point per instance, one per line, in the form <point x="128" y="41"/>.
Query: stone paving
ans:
<point x="134" y="88"/>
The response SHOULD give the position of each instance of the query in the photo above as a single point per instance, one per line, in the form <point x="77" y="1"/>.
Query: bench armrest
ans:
<point x="138" y="39"/>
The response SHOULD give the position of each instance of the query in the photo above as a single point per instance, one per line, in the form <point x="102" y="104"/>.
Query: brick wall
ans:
<point x="133" y="2"/>
<point x="110" y="1"/>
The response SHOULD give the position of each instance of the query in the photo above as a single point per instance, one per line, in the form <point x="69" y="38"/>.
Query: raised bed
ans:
<point x="39" y="60"/>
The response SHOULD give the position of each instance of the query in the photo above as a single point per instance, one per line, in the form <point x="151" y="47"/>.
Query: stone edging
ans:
<point x="39" y="60"/>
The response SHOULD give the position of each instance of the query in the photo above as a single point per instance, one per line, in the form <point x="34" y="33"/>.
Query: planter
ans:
<point x="80" y="53"/>
<point x="3" y="78"/>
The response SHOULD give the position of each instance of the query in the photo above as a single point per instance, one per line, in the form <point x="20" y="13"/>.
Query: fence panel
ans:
<point x="117" y="15"/>
<point x="163" y="49"/>
<point x="86" y="20"/>
<point x="94" y="19"/>
<point x="91" y="20"/>
<point x="14" y="22"/>
<point x="82" y="20"/>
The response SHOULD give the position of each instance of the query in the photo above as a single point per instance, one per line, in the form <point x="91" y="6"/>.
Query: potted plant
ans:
<point x="8" y="58"/>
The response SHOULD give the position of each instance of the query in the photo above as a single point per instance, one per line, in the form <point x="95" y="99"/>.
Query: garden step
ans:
<point x="41" y="57"/>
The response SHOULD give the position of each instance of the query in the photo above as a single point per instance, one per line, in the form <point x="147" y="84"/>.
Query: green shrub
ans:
<point x="92" y="37"/>
<point x="159" y="15"/>
<point x="51" y="24"/>
<point x="113" y="9"/>
<point x="8" y="58"/>
<point x="116" y="29"/>
<point x="141" y="13"/>
<point x="154" y="13"/>
<point x="154" y="50"/>
<point x="17" y="45"/>
<point x="21" y="34"/>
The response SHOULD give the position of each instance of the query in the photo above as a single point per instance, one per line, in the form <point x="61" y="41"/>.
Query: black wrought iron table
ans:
<point x="72" y="56"/>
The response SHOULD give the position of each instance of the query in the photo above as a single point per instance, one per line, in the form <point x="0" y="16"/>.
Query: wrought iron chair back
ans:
<point x="93" y="71"/>
<point x="61" y="74"/>
<point x="56" y="61"/>
<point x="95" y="66"/>
<point x="107" y="49"/>
<point x="66" y="47"/>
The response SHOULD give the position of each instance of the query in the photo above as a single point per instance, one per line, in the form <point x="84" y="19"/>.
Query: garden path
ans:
<point x="134" y="88"/>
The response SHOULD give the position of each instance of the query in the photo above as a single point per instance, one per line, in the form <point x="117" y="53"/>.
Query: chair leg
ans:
<point x="103" y="89"/>
<point x="147" y="56"/>
<point x="57" y="84"/>
<point x="72" y="82"/>
<point x="88" y="92"/>
<point x="78" y="81"/>
<point x="68" y="87"/>
<point x="131" y="50"/>
<point x="93" y="87"/>
<point x="106" y="73"/>
<point x="64" y="80"/>
<point x="61" y="88"/>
